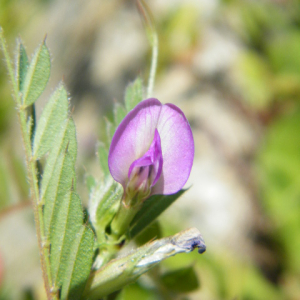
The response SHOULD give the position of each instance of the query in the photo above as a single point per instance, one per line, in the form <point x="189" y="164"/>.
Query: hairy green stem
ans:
<point x="117" y="236"/>
<point x="32" y="176"/>
<point x="107" y="252"/>
<point x="9" y="67"/>
<point x="123" y="218"/>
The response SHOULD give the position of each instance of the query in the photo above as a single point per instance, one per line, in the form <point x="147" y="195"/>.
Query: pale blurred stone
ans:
<point x="19" y="251"/>
<point x="206" y="7"/>
<point x="217" y="51"/>
<point x="174" y="83"/>
<point x="118" y="47"/>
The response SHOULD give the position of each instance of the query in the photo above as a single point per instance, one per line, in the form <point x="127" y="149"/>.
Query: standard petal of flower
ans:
<point x="133" y="138"/>
<point x="177" y="145"/>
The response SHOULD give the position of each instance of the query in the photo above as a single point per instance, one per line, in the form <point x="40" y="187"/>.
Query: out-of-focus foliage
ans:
<point x="269" y="77"/>
<point x="269" y="70"/>
<point x="178" y="33"/>
<point x="279" y="162"/>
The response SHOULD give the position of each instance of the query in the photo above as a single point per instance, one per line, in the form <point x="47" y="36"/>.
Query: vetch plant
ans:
<point x="145" y="164"/>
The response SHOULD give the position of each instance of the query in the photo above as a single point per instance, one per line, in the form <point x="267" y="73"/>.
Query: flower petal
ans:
<point x="177" y="145"/>
<point x="152" y="158"/>
<point x="133" y="138"/>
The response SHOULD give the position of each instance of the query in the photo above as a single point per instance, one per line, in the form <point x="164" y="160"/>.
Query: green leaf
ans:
<point x="80" y="263"/>
<point x="64" y="229"/>
<point x="182" y="281"/>
<point x="59" y="173"/>
<point x="21" y="65"/>
<point x="53" y="115"/>
<point x="66" y="136"/>
<point x="103" y="205"/>
<point x="37" y="75"/>
<point x="119" y="114"/>
<point x="110" y="130"/>
<point x="71" y="242"/>
<point x="31" y="122"/>
<point x="103" y="159"/>
<point x="134" y="94"/>
<point x="153" y="231"/>
<point x="137" y="291"/>
<point x="151" y="209"/>
<point x="90" y="182"/>
<point x="61" y="181"/>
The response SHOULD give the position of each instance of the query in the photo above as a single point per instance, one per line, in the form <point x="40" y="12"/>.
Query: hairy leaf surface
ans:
<point x="59" y="173"/>
<point x="134" y="94"/>
<point x="37" y="75"/>
<point x="103" y="160"/>
<point x="53" y="115"/>
<point x="21" y="65"/>
<point x="71" y="242"/>
<point x="79" y="265"/>
<point x="64" y="230"/>
<point x="119" y="114"/>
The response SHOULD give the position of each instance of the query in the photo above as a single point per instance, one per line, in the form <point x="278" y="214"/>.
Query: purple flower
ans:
<point x="152" y="150"/>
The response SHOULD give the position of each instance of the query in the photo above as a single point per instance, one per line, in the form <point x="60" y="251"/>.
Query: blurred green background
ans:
<point x="233" y="67"/>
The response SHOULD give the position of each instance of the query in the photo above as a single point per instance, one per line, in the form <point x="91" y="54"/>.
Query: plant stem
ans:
<point x="122" y="219"/>
<point x="153" y="39"/>
<point x="116" y="238"/>
<point x="107" y="252"/>
<point x="32" y="178"/>
<point x="37" y="207"/>
<point x="153" y="64"/>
